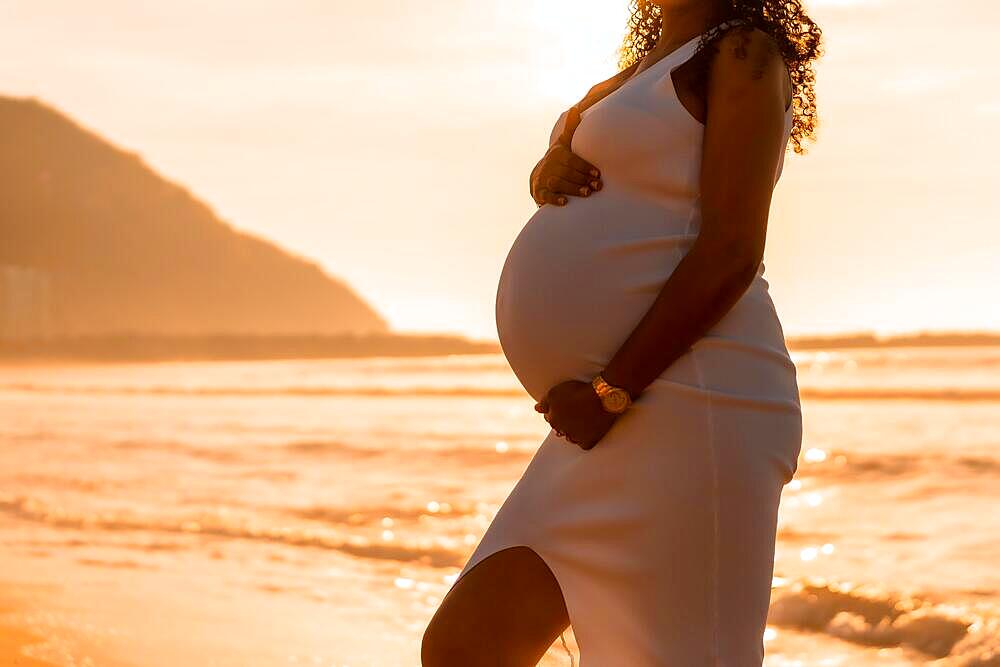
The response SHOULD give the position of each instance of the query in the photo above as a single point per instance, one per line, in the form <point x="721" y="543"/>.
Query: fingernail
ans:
<point x="595" y="185"/>
<point x="594" y="172"/>
<point x="561" y="200"/>
<point x="584" y="191"/>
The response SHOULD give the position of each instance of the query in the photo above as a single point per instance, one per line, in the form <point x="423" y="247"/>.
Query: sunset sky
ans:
<point x="391" y="141"/>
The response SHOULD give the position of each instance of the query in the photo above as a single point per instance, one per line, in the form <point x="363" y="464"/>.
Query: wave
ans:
<point x="248" y="454"/>
<point x="216" y="454"/>
<point x="959" y="635"/>
<point x="362" y="391"/>
<point x="435" y="553"/>
<point x="856" y="467"/>
<point x="988" y="394"/>
<point x="358" y="516"/>
<point x="926" y="358"/>
<point x="455" y="364"/>
<point x="462" y="450"/>
<point x="900" y="394"/>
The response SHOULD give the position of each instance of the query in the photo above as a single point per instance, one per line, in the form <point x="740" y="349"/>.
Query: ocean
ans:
<point x="315" y="512"/>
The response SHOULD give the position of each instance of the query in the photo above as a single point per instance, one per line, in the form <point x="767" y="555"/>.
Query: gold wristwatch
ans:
<point x="614" y="399"/>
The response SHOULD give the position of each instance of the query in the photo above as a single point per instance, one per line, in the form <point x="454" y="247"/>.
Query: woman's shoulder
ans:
<point x="745" y="55"/>
<point x="746" y="45"/>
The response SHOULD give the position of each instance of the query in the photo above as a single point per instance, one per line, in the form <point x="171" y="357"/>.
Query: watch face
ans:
<point x="616" y="400"/>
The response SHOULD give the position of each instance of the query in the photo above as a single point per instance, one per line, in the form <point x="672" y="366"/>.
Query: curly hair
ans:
<point x="797" y="36"/>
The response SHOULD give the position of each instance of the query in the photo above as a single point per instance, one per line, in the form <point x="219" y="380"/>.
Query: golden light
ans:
<point x="814" y="499"/>
<point x="576" y="44"/>
<point x="404" y="583"/>
<point x="814" y="455"/>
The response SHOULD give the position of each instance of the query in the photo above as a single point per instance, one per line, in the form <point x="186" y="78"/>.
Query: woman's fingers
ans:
<point x="561" y="172"/>
<point x="549" y="197"/>
<point x="562" y="186"/>
<point x="543" y="407"/>
<point x="561" y="161"/>
<point x="561" y="178"/>
<point x="573" y="161"/>
<point x="569" y="174"/>
<point x="571" y="166"/>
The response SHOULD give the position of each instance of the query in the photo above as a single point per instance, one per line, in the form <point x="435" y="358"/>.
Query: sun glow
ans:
<point x="575" y="45"/>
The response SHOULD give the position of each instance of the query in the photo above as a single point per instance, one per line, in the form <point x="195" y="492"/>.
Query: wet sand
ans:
<point x="14" y="641"/>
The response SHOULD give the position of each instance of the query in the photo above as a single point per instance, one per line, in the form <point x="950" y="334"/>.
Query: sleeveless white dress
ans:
<point x="662" y="536"/>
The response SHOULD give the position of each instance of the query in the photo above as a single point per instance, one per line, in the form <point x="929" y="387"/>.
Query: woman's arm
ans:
<point x="742" y="145"/>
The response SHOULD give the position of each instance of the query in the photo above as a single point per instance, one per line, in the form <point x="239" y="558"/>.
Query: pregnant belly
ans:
<point x="579" y="278"/>
<point x="576" y="282"/>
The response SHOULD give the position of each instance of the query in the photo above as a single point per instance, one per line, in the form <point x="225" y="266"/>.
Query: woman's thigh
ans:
<point x="507" y="610"/>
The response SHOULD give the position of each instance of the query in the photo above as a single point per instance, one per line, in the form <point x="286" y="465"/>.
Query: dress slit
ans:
<point x="477" y="560"/>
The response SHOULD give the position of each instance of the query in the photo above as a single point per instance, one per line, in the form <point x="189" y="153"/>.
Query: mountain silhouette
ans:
<point x="94" y="242"/>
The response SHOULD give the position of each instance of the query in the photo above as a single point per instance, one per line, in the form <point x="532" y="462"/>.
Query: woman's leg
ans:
<point x="506" y="611"/>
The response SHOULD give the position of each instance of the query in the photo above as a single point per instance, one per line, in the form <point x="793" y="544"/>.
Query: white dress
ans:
<point x="662" y="536"/>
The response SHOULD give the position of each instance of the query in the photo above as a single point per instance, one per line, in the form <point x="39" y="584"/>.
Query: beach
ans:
<point x="15" y="645"/>
<point x="314" y="512"/>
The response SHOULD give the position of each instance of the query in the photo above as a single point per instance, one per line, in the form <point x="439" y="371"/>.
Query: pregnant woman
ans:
<point x="633" y="308"/>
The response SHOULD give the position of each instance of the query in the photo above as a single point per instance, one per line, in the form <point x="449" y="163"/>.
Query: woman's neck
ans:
<point x="684" y="21"/>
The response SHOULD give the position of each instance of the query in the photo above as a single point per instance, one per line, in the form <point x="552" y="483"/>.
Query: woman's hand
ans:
<point x="561" y="172"/>
<point x="573" y="409"/>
